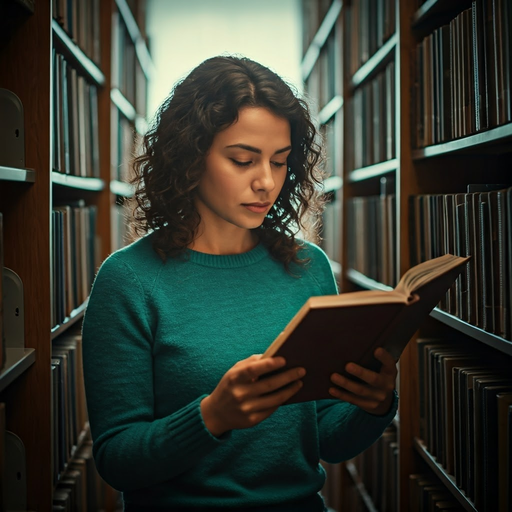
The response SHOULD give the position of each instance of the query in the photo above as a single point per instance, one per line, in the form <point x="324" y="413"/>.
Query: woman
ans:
<point x="177" y="321"/>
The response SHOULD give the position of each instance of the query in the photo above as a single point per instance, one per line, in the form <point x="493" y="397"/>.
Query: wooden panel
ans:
<point x="27" y="252"/>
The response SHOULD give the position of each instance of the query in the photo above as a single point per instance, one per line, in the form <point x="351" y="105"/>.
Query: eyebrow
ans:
<point x="256" y="150"/>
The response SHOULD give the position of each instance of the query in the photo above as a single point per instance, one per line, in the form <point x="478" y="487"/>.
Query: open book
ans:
<point x="332" y="330"/>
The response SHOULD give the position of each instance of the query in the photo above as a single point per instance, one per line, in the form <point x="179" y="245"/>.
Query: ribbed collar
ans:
<point x="227" y="261"/>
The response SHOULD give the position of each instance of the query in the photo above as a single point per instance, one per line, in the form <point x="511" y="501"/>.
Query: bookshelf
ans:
<point x="60" y="219"/>
<point x="420" y="102"/>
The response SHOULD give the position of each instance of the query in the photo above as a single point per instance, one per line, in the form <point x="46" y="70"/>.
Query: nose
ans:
<point x="264" y="178"/>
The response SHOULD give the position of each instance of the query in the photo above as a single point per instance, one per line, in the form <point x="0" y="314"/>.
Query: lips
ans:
<point x="257" y="207"/>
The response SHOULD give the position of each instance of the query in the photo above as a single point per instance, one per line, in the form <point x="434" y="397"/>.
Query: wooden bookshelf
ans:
<point x="375" y="63"/>
<point x="373" y="171"/>
<point x="78" y="182"/>
<point x="375" y="38"/>
<point x="37" y="203"/>
<point x="445" y="477"/>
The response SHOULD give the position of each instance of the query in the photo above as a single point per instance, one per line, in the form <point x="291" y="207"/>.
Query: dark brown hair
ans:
<point x="171" y="164"/>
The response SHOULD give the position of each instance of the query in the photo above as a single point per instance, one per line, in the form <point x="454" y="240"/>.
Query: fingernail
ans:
<point x="301" y="372"/>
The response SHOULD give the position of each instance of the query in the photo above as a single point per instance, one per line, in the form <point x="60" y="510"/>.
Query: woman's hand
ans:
<point x="375" y="395"/>
<point x="241" y="400"/>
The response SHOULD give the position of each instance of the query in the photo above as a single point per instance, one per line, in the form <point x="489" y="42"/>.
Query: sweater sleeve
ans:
<point x="345" y="430"/>
<point x="132" y="448"/>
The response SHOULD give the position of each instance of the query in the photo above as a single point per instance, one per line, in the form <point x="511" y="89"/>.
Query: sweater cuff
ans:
<point x="189" y="431"/>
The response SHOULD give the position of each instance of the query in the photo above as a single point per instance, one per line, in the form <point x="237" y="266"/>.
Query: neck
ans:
<point x="224" y="245"/>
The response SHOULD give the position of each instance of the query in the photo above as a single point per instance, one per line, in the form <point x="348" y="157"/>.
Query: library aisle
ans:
<point x="413" y="99"/>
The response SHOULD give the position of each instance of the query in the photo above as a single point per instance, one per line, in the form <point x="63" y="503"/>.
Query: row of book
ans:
<point x="463" y="74"/>
<point x="313" y="13"/>
<point x="75" y="148"/>
<point x="321" y="84"/>
<point x="127" y="75"/>
<point x="428" y="494"/>
<point x="371" y="237"/>
<point x="477" y="223"/>
<point x="465" y="407"/>
<point x="121" y="234"/>
<point x="124" y="142"/>
<point x="372" y="111"/>
<point x="74" y="257"/>
<point x="369" y="24"/>
<point x="81" y="489"/>
<point x="377" y="469"/>
<point x="69" y="410"/>
<point x="331" y="230"/>
<point x="80" y="19"/>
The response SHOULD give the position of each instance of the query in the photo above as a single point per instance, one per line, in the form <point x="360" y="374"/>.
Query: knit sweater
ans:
<point x="157" y="339"/>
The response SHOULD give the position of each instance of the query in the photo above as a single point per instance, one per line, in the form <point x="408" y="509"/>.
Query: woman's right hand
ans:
<point x="242" y="400"/>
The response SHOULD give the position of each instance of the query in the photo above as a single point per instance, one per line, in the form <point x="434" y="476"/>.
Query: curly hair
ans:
<point x="170" y="167"/>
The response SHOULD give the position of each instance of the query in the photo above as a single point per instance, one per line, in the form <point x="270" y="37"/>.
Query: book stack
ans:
<point x="74" y="257"/>
<point x="377" y="469"/>
<point x="372" y="111"/>
<point x="477" y="224"/>
<point x="371" y="237"/>
<point x="371" y="23"/>
<point x="80" y="487"/>
<point x="75" y="148"/>
<point x="80" y="21"/>
<point x="463" y="74"/>
<point x="466" y="418"/>
<point x="427" y="494"/>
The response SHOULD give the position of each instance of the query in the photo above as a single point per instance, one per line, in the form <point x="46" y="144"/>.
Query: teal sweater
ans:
<point x="157" y="338"/>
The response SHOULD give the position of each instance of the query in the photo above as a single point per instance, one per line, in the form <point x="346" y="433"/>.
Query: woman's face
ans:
<point x="245" y="170"/>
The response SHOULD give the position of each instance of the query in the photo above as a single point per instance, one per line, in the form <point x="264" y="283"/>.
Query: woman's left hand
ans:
<point x="375" y="395"/>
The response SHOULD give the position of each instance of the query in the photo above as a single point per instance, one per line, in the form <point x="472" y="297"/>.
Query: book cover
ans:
<point x="330" y="331"/>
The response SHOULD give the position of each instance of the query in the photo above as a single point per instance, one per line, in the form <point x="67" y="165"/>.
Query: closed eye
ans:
<point x="279" y="164"/>
<point x="241" y="164"/>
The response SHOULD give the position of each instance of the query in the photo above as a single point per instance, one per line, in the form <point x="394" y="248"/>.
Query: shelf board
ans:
<point x="432" y="8"/>
<point x="124" y="106"/>
<point x="15" y="174"/>
<point x="331" y="184"/>
<point x="374" y="63"/>
<point x="78" y="182"/>
<point x="373" y="171"/>
<point x="361" y="489"/>
<point x="365" y="282"/>
<point x="120" y="188"/>
<point x="65" y="44"/>
<point x="312" y="53"/>
<point x="17" y="361"/>
<point x="141" y="49"/>
<point x="474" y="332"/>
<point x="76" y="315"/>
<point x="335" y="267"/>
<point x="445" y="477"/>
<point x="330" y="109"/>
<point x="501" y="133"/>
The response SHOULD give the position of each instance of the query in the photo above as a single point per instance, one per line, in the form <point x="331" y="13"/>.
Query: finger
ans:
<point x="271" y="384"/>
<point x="253" y="369"/>
<point x="367" y="403"/>
<point x="385" y="358"/>
<point x="274" y="400"/>
<point x="368" y="376"/>
<point x="358" y="389"/>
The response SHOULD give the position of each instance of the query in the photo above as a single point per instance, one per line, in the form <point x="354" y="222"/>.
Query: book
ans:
<point x="332" y="330"/>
